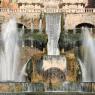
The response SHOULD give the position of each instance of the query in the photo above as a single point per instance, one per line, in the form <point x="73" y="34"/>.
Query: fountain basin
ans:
<point x="66" y="87"/>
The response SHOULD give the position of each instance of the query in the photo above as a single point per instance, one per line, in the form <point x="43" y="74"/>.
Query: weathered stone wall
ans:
<point x="71" y="67"/>
<point x="72" y="20"/>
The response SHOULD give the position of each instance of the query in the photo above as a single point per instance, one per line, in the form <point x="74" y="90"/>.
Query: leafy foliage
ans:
<point x="40" y="37"/>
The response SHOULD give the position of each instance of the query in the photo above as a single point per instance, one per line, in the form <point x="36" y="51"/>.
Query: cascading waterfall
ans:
<point x="53" y="29"/>
<point x="9" y="57"/>
<point x="88" y="63"/>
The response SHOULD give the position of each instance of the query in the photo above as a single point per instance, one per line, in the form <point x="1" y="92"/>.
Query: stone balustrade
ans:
<point x="22" y="87"/>
<point x="91" y="10"/>
<point x="48" y="10"/>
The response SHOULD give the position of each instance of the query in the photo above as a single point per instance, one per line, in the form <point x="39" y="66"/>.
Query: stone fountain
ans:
<point x="53" y="59"/>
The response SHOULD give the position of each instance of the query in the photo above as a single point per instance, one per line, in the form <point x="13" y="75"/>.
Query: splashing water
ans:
<point x="84" y="71"/>
<point x="23" y="74"/>
<point x="53" y="29"/>
<point x="9" y="57"/>
<point x="88" y="64"/>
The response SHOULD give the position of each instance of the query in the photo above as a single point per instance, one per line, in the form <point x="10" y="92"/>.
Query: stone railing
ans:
<point x="37" y="1"/>
<point x="90" y="10"/>
<point x="48" y="10"/>
<point x="19" y="10"/>
<point x="14" y="87"/>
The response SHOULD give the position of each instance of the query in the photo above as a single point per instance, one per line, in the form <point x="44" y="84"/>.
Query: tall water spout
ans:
<point x="21" y="34"/>
<point x="40" y="26"/>
<point x="9" y="57"/>
<point x="23" y="29"/>
<point x="88" y="56"/>
<point x="53" y="29"/>
<point x="32" y="26"/>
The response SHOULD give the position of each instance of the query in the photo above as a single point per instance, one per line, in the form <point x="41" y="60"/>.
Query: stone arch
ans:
<point x="84" y="24"/>
<point x="20" y="27"/>
<point x="72" y="20"/>
<point x="53" y="62"/>
<point x="89" y="25"/>
<point x="19" y="24"/>
<point x="23" y="21"/>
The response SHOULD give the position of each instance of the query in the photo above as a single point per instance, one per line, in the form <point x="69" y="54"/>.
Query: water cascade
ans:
<point x="53" y="29"/>
<point x="53" y="59"/>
